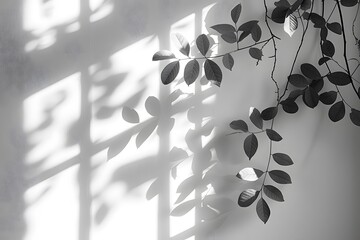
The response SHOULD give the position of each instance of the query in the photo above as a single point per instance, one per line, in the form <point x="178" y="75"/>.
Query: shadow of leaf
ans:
<point x="101" y="214"/>
<point x="130" y="115"/>
<point x="118" y="146"/>
<point x="185" y="207"/>
<point x="146" y="132"/>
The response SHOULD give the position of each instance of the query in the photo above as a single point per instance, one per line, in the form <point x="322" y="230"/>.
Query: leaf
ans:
<point x="256" y="32"/>
<point x="280" y="177"/>
<point x="162" y="55"/>
<point x="306" y="4"/>
<point x="145" y="133"/>
<point x="239" y="125"/>
<point x="310" y="71"/>
<point x="177" y="154"/>
<point x="273" y="193"/>
<point x="355" y="117"/>
<point x="203" y="44"/>
<point x="184" y="44"/>
<point x="256" y="53"/>
<point x="273" y="135"/>
<point x="328" y="98"/>
<point x="213" y="72"/>
<point x="349" y="3"/>
<point x="235" y="13"/>
<point x="328" y="48"/>
<point x="255" y="118"/>
<point x="279" y="14"/>
<point x="269" y="113"/>
<point x="229" y="37"/>
<point x="250" y="174"/>
<point x="130" y="115"/>
<point x="323" y="60"/>
<point x="247" y="197"/>
<point x="228" y="61"/>
<point x="337" y="111"/>
<point x="319" y="21"/>
<point x="293" y="95"/>
<point x="191" y="71"/>
<point x="263" y="210"/>
<point x="243" y="35"/>
<point x="153" y="190"/>
<point x="152" y="106"/>
<point x="317" y="85"/>
<point x="250" y="145"/>
<point x="282" y="3"/>
<point x="118" y="146"/>
<point x="296" y="5"/>
<point x="282" y="159"/>
<point x="170" y="72"/>
<point x="298" y="80"/>
<point x="339" y="78"/>
<point x="335" y="27"/>
<point x="310" y="97"/>
<point x="184" y="208"/>
<point x="223" y="28"/>
<point x="289" y="106"/>
<point x="323" y="33"/>
<point x="290" y="24"/>
<point x="248" y="26"/>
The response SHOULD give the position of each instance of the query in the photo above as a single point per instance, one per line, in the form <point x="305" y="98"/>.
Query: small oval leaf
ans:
<point x="282" y="159"/>
<point x="263" y="210"/>
<point x="280" y="177"/>
<point x="191" y="71"/>
<point x="247" y="197"/>
<point x="223" y="28"/>
<point x="152" y="106"/>
<point x="250" y="174"/>
<point x="239" y="125"/>
<point x="250" y="145"/>
<point x="339" y="78"/>
<point x="203" y="44"/>
<point x="355" y="117"/>
<point x="328" y="98"/>
<point x="310" y="97"/>
<point x="213" y="72"/>
<point x="256" y="53"/>
<point x="228" y="61"/>
<point x="273" y="193"/>
<point x="337" y="111"/>
<point x="298" y="80"/>
<point x="162" y="55"/>
<point x="235" y="13"/>
<point x="310" y="71"/>
<point x="335" y="27"/>
<point x="269" y="113"/>
<point x="145" y="133"/>
<point x="229" y="37"/>
<point x="256" y="33"/>
<point x="328" y="48"/>
<point x="273" y="135"/>
<point x="349" y="3"/>
<point x="130" y="115"/>
<point x="255" y="118"/>
<point x="289" y="106"/>
<point x="170" y="72"/>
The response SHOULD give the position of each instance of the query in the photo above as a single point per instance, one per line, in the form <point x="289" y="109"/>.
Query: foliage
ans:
<point x="306" y="84"/>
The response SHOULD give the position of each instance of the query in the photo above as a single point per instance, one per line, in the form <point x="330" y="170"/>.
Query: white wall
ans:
<point x="68" y="69"/>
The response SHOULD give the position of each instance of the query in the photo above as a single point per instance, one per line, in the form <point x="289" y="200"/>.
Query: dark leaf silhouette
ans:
<point x="319" y="21"/>
<point x="323" y="34"/>
<point x="328" y="98"/>
<point x="328" y="48"/>
<point x="250" y="174"/>
<point x="191" y="71"/>
<point x="279" y="14"/>
<point x="235" y="13"/>
<point x="310" y="71"/>
<point x="248" y="26"/>
<point x="170" y="72"/>
<point x="243" y="35"/>
<point x="247" y="197"/>
<point x="187" y="186"/>
<point x="213" y="72"/>
<point x="184" y="44"/>
<point x="223" y="28"/>
<point x="255" y="118"/>
<point x="289" y="106"/>
<point x="228" y="61"/>
<point x="203" y="44"/>
<point x="339" y="78"/>
<point x="310" y="97"/>
<point x="145" y="133"/>
<point x="295" y="94"/>
<point x="269" y="113"/>
<point x="280" y="177"/>
<point x="229" y="37"/>
<point x="130" y="115"/>
<point x="282" y="159"/>
<point x="298" y="80"/>
<point x="273" y="193"/>
<point x="256" y="53"/>
<point x="184" y="208"/>
<point x="335" y="27"/>
<point x="273" y="135"/>
<point x="263" y="210"/>
<point x="250" y="145"/>
<point x="317" y="85"/>
<point x="337" y="111"/>
<point x="355" y="117"/>
<point x="349" y="3"/>
<point x="152" y="106"/>
<point x="306" y="4"/>
<point x="282" y="3"/>
<point x="239" y="125"/>
<point x="162" y="55"/>
<point x="323" y="60"/>
<point x="256" y="33"/>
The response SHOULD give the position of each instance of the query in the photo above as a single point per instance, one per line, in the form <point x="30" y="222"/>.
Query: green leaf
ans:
<point x="170" y="72"/>
<point x="130" y="115"/>
<point x="310" y="97"/>
<point x="223" y="28"/>
<point x="328" y="98"/>
<point x="349" y="3"/>
<point x="191" y="71"/>
<point x="239" y="125"/>
<point x="213" y="72"/>
<point x="280" y="177"/>
<point x="310" y="71"/>
<point x="228" y="61"/>
<point x="184" y="44"/>
<point x="162" y="55"/>
<point x="273" y="193"/>
<point x="298" y="80"/>
<point x="335" y="27"/>
<point x="269" y="113"/>
<point x="229" y="37"/>
<point x="263" y="210"/>
<point x="256" y="53"/>
<point x="289" y="106"/>
<point x="355" y="117"/>
<point x="250" y="145"/>
<point x="328" y="48"/>
<point x="250" y="174"/>
<point x="282" y="159"/>
<point x="256" y="33"/>
<point x="235" y="13"/>
<point x="339" y="78"/>
<point x="203" y="44"/>
<point x="255" y="118"/>
<point x="273" y="135"/>
<point x="337" y="111"/>
<point x="152" y="106"/>
<point x="247" y="197"/>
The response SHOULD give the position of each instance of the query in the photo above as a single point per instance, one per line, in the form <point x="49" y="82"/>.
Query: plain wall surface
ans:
<point x="77" y="165"/>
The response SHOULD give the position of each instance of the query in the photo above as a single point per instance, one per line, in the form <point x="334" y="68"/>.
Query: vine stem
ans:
<point x="345" y="45"/>
<point x="269" y="159"/>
